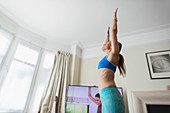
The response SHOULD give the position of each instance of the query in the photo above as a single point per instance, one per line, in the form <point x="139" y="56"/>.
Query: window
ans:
<point x="42" y="80"/>
<point x="17" y="83"/>
<point x="5" y="40"/>
<point x="23" y="76"/>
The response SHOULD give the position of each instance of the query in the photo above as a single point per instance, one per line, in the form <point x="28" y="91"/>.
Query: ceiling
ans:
<point x="86" y="21"/>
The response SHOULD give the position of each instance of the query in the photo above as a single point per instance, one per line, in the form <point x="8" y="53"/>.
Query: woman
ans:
<point x="112" y="102"/>
<point x="96" y="100"/>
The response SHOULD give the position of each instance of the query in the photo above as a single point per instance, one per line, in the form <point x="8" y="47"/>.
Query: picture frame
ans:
<point x="159" y="64"/>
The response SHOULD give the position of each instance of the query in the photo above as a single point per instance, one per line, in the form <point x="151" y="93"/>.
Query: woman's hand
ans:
<point x="108" y="35"/>
<point x="107" y="46"/>
<point x="114" y="25"/>
<point x="114" y="42"/>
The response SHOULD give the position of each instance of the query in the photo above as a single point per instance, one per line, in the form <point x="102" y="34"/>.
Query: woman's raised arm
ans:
<point x="114" y="42"/>
<point x="107" y="46"/>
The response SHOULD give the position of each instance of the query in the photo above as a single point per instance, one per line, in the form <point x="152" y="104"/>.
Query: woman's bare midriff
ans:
<point x="105" y="78"/>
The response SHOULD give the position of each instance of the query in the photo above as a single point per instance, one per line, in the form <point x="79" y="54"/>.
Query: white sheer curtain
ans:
<point x="58" y="81"/>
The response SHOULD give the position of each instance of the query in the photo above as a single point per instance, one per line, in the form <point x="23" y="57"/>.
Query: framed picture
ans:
<point x="159" y="64"/>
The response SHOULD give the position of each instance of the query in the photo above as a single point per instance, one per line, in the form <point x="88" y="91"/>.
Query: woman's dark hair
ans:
<point x="121" y="64"/>
<point x="97" y="95"/>
<point x="120" y="46"/>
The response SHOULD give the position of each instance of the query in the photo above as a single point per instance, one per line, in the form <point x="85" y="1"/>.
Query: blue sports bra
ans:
<point x="104" y="63"/>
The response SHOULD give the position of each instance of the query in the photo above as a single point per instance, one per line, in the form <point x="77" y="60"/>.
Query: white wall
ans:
<point x="138" y="77"/>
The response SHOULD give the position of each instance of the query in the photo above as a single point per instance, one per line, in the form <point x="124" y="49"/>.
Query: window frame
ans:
<point x="11" y="38"/>
<point x="9" y="58"/>
<point x="38" y="79"/>
<point x="39" y="50"/>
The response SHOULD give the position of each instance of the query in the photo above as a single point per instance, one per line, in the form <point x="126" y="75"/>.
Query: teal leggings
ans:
<point x="112" y="101"/>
